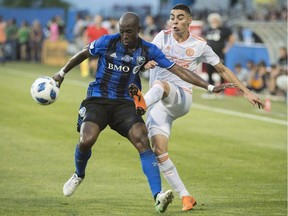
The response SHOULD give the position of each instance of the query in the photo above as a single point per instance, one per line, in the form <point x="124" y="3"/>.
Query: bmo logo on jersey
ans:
<point x="118" y="67"/>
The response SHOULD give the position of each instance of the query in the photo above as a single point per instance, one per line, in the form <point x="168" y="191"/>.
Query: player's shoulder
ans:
<point x="165" y="33"/>
<point x="198" y="39"/>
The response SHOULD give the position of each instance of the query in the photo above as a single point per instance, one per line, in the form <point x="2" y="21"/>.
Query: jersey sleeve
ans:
<point x="209" y="56"/>
<point x="96" y="47"/>
<point x="157" y="55"/>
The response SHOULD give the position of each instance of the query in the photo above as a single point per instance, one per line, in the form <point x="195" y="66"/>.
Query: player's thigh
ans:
<point x="158" y="121"/>
<point x="124" y="117"/>
<point x="93" y="110"/>
<point x="178" y="102"/>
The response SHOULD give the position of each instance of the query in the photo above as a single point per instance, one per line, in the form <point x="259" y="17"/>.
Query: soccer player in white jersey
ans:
<point x="169" y="97"/>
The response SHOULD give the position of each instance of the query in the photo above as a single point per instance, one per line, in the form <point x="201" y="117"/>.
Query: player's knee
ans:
<point x="141" y="142"/>
<point x="88" y="135"/>
<point x="138" y="135"/>
<point x="87" y="139"/>
<point x="158" y="82"/>
<point x="158" y="150"/>
<point x="86" y="143"/>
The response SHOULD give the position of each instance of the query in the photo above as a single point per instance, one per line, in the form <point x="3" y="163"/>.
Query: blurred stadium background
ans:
<point x="237" y="155"/>
<point x="51" y="31"/>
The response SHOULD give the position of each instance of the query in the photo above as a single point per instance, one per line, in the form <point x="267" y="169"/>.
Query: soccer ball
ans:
<point x="44" y="90"/>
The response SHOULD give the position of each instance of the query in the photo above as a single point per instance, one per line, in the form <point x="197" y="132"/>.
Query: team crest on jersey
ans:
<point x="139" y="61"/>
<point x="189" y="52"/>
<point x="127" y="58"/>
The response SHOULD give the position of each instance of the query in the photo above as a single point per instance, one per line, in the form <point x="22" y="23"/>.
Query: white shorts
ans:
<point x="161" y="115"/>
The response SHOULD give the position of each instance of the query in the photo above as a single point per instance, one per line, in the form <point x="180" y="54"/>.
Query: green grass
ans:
<point x="232" y="165"/>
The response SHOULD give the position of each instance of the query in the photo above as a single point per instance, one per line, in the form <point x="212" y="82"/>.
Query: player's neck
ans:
<point x="181" y="37"/>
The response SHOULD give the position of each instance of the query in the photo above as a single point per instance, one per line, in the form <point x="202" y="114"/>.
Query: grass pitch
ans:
<point x="232" y="157"/>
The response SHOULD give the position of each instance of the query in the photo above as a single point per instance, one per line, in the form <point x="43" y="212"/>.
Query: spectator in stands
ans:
<point x="258" y="78"/>
<point x="149" y="28"/>
<point x="11" y="33"/>
<point x="78" y="31"/>
<point x="111" y="25"/>
<point x="220" y="38"/>
<point x="53" y="29"/>
<point x="23" y="40"/>
<point x="3" y="39"/>
<point x="283" y="60"/>
<point x="271" y="82"/>
<point x="284" y="13"/>
<point x="278" y="74"/>
<point x="241" y="73"/>
<point x="148" y="33"/>
<point x="93" y="32"/>
<point x="282" y="79"/>
<point x="61" y="26"/>
<point x="269" y="13"/>
<point x="36" y="39"/>
<point x="88" y="20"/>
<point x="250" y="66"/>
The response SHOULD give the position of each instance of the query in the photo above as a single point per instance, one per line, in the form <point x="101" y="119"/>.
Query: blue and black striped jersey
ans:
<point x="118" y="67"/>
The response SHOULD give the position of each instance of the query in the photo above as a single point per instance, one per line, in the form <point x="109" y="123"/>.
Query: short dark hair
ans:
<point x="182" y="7"/>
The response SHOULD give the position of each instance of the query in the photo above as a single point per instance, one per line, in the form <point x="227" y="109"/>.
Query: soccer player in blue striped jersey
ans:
<point x="121" y="57"/>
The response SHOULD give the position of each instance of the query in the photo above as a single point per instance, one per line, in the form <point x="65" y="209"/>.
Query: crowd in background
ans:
<point x="260" y="78"/>
<point x="24" y="42"/>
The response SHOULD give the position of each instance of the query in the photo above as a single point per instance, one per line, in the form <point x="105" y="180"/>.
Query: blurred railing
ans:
<point x="273" y="35"/>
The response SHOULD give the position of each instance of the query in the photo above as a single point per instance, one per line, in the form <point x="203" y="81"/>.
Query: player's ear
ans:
<point x="190" y="20"/>
<point x="139" y="28"/>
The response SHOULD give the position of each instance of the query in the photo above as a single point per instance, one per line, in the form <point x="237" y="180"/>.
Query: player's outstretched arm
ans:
<point x="73" y="61"/>
<point x="194" y="79"/>
<point x="229" y="76"/>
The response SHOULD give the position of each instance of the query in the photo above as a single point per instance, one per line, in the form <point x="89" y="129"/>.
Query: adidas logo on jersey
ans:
<point x="113" y="55"/>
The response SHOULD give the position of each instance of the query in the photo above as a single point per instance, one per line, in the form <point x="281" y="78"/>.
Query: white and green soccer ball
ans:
<point x="44" y="90"/>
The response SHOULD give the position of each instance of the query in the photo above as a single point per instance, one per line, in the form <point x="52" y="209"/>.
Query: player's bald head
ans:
<point x="130" y="18"/>
<point x="129" y="28"/>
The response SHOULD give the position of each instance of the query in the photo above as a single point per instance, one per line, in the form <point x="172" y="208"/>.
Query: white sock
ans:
<point x="154" y="94"/>
<point x="170" y="173"/>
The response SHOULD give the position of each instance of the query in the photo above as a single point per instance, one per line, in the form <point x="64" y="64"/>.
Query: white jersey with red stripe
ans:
<point x="187" y="54"/>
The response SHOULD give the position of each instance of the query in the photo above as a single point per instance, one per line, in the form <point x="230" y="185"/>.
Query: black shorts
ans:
<point x="120" y="115"/>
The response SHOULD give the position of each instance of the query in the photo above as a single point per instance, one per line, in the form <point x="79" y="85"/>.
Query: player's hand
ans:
<point x="223" y="86"/>
<point x="150" y="65"/>
<point x="58" y="78"/>
<point x="254" y="100"/>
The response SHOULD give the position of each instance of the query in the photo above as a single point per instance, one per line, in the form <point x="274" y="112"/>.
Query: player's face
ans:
<point x="180" y="21"/>
<point x="129" y="34"/>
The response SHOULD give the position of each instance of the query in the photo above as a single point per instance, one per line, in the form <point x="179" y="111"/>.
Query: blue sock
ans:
<point x="151" y="170"/>
<point x="81" y="160"/>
